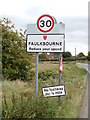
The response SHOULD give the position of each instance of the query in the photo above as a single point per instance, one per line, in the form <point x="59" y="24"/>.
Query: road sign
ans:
<point x="59" y="28"/>
<point x="54" y="91"/>
<point x="45" y="23"/>
<point x="45" y="43"/>
<point x="46" y="36"/>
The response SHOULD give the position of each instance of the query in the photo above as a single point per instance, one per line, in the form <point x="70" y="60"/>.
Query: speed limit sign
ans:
<point x="45" y="23"/>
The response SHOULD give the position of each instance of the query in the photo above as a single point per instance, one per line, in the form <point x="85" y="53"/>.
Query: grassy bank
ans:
<point x="19" y="97"/>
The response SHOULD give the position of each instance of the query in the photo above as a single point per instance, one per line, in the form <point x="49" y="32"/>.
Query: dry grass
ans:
<point x="45" y="66"/>
<point x="74" y="78"/>
<point x="19" y="88"/>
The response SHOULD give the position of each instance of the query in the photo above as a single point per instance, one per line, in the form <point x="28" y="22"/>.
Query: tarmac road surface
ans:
<point x="85" y="108"/>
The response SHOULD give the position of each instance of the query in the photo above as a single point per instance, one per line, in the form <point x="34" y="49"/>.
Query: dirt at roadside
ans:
<point x="84" y="108"/>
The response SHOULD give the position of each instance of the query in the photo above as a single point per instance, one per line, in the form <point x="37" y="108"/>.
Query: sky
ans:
<point x="73" y="13"/>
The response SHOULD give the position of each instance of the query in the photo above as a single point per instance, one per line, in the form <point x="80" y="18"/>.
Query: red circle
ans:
<point x="39" y="20"/>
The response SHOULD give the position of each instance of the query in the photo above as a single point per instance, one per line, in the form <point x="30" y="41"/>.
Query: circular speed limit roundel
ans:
<point x="45" y="23"/>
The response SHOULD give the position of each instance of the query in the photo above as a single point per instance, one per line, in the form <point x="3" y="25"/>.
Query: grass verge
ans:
<point x="19" y="97"/>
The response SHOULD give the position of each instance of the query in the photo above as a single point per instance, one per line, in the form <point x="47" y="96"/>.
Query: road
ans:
<point x="86" y="66"/>
<point x="84" y="109"/>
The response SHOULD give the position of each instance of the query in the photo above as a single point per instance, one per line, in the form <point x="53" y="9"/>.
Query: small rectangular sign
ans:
<point x="45" y="43"/>
<point x="54" y="91"/>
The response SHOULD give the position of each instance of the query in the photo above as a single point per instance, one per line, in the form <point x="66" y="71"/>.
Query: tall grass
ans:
<point x="19" y="97"/>
<point x="25" y="107"/>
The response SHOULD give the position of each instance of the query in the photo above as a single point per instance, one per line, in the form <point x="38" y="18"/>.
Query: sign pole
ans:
<point x="60" y="77"/>
<point x="36" y="74"/>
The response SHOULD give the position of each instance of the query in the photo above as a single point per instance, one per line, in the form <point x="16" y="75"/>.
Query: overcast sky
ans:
<point x="73" y="13"/>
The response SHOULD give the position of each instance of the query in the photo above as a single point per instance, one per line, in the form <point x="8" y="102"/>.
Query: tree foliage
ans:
<point x="43" y="56"/>
<point x="16" y="62"/>
<point x="89" y="55"/>
<point x="67" y="54"/>
<point x="81" y="54"/>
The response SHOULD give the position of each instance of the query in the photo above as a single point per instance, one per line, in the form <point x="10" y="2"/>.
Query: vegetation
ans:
<point x="44" y="75"/>
<point x="19" y="97"/>
<point x="89" y="55"/>
<point x="16" y="62"/>
<point x="0" y="51"/>
<point x="80" y="55"/>
<point x="67" y="54"/>
<point x="43" y="56"/>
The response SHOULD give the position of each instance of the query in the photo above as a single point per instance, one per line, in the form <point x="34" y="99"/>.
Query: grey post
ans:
<point x="36" y="74"/>
<point x="59" y="77"/>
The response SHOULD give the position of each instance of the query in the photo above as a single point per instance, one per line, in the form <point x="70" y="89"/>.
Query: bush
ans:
<point x="43" y="56"/>
<point x="20" y="107"/>
<point x="45" y="75"/>
<point x="16" y="63"/>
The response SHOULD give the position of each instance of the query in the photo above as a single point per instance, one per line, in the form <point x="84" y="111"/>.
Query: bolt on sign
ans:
<point x="46" y="35"/>
<point x="54" y="91"/>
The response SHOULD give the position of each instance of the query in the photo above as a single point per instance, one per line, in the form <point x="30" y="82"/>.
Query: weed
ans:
<point x="19" y="97"/>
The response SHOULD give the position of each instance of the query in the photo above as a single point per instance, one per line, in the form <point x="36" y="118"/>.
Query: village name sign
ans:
<point x="45" y="36"/>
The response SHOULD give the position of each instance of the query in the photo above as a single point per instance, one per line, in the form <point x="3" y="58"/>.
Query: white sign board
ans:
<point x="54" y="91"/>
<point x="45" y="43"/>
<point x="46" y="35"/>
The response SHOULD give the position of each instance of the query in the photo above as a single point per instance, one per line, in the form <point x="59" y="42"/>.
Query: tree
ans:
<point x="81" y="54"/>
<point x="43" y="56"/>
<point x="89" y="55"/>
<point x="16" y="63"/>
<point x="67" y="54"/>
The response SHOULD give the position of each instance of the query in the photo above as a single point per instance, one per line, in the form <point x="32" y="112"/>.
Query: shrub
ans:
<point x="20" y="107"/>
<point x="45" y="75"/>
<point x="16" y="63"/>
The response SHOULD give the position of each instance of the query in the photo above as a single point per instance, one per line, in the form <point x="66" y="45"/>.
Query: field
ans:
<point x="19" y="97"/>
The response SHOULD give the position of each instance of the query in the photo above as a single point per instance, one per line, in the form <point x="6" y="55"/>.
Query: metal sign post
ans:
<point x="60" y="77"/>
<point x="36" y="74"/>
